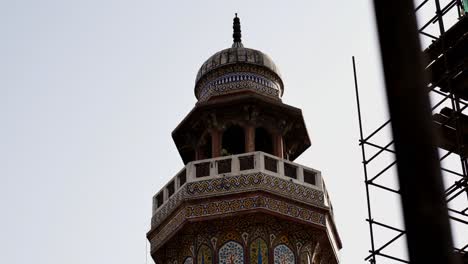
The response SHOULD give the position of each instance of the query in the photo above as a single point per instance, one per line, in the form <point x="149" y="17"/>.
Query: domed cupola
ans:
<point x="238" y="69"/>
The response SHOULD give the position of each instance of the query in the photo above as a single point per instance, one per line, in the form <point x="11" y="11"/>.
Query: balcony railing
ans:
<point x="241" y="164"/>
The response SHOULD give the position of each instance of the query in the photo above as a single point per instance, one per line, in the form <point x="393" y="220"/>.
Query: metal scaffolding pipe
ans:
<point x="424" y="207"/>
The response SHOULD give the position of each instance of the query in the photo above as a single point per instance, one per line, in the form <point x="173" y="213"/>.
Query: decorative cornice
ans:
<point x="225" y="207"/>
<point x="255" y="74"/>
<point x="239" y="184"/>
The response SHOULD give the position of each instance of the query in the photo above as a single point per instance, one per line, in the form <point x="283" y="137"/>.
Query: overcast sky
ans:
<point x="90" y="92"/>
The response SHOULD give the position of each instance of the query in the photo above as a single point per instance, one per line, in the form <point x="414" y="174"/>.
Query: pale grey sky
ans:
<point x="90" y="92"/>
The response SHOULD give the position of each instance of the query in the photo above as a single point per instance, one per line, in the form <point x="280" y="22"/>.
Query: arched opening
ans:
<point x="263" y="140"/>
<point x="233" y="141"/>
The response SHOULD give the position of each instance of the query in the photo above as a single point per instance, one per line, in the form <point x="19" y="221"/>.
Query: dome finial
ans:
<point x="237" y="33"/>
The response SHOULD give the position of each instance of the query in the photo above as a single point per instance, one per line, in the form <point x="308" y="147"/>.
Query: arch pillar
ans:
<point x="278" y="145"/>
<point x="249" y="138"/>
<point x="215" y="143"/>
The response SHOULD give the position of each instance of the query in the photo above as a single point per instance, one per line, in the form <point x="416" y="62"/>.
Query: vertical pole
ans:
<point x="424" y="207"/>
<point x="364" y="163"/>
<point x="440" y="19"/>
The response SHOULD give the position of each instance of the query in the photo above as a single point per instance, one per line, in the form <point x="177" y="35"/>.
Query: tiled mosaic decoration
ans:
<point x="234" y="184"/>
<point x="259" y="252"/>
<point x="239" y="81"/>
<point x="283" y="255"/>
<point x="237" y="56"/>
<point x="249" y="232"/>
<point x="225" y="207"/>
<point x="217" y="76"/>
<point x="231" y="253"/>
<point x="205" y="256"/>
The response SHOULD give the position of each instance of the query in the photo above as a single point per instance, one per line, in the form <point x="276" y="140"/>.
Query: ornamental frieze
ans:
<point x="236" y="184"/>
<point x="226" y="207"/>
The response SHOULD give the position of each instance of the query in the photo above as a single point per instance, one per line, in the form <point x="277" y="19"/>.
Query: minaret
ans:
<point x="240" y="197"/>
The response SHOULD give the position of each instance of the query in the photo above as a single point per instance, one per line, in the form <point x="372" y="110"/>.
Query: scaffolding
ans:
<point x="445" y="35"/>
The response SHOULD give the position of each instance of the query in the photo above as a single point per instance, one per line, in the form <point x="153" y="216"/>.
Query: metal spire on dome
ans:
<point x="237" y="33"/>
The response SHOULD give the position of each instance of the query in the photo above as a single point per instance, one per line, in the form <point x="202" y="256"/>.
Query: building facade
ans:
<point x="240" y="197"/>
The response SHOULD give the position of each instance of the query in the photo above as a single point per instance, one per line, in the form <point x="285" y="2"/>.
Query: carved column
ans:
<point x="278" y="145"/>
<point x="215" y="143"/>
<point x="249" y="138"/>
